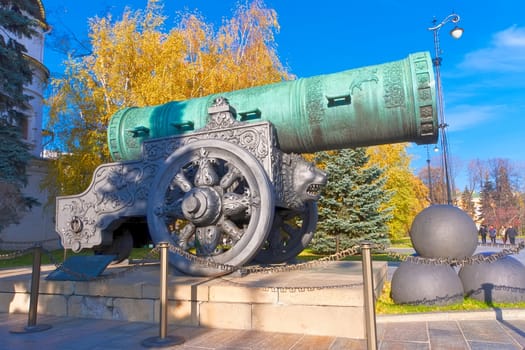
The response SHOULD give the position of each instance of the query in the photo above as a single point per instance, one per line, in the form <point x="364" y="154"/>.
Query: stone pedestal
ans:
<point x="325" y="300"/>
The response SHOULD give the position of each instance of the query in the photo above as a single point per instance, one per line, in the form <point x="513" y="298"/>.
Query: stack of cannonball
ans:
<point x="445" y="231"/>
<point x="439" y="231"/>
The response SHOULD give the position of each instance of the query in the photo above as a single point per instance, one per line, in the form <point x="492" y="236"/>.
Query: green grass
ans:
<point x="58" y="256"/>
<point x="404" y="242"/>
<point x="308" y="254"/>
<point x="385" y="305"/>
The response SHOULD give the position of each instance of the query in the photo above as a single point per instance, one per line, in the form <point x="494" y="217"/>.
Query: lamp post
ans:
<point x="430" y="194"/>
<point x="456" y="33"/>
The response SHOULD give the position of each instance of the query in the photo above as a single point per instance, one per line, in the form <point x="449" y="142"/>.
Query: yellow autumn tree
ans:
<point x="135" y="62"/>
<point x="410" y="194"/>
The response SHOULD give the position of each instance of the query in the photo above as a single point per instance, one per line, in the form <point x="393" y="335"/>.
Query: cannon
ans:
<point x="221" y="177"/>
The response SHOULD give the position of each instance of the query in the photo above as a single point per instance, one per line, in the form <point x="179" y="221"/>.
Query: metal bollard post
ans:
<point x="368" y="290"/>
<point x="163" y="340"/>
<point x="32" y="327"/>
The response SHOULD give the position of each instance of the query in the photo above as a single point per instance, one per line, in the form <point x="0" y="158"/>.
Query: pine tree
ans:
<point x="488" y="214"/>
<point x="15" y="73"/>
<point x="350" y="208"/>
<point x="506" y="200"/>
<point x="467" y="204"/>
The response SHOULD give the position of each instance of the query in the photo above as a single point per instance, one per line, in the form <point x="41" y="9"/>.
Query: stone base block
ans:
<point x="324" y="300"/>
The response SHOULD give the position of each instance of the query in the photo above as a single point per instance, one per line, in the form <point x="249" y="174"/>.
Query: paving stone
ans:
<point x="485" y="331"/>
<point x="95" y="334"/>
<point x="313" y="342"/>
<point x="446" y="335"/>
<point x="401" y="345"/>
<point x="475" y="345"/>
<point x="413" y="331"/>
<point x="515" y="329"/>
<point x="348" y="344"/>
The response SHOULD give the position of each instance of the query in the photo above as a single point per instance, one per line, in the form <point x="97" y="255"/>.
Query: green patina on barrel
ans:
<point x="373" y="105"/>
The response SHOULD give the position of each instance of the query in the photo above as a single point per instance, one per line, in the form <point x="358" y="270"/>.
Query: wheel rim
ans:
<point x="291" y="233"/>
<point x="214" y="200"/>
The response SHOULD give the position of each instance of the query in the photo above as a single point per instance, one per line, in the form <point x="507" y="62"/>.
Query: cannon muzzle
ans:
<point x="386" y="103"/>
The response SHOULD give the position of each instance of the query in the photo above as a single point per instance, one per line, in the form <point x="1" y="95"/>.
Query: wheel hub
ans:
<point x="202" y="206"/>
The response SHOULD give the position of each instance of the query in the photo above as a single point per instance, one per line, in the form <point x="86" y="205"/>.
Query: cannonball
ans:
<point x="444" y="231"/>
<point x="426" y="284"/>
<point x="501" y="281"/>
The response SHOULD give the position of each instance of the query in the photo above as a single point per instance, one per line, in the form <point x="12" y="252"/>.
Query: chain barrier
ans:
<point x="447" y="299"/>
<point x="262" y="269"/>
<point x="301" y="289"/>
<point x="154" y="254"/>
<point x="28" y="243"/>
<point x="496" y="245"/>
<point x="111" y="275"/>
<point x="16" y="254"/>
<point x="27" y="247"/>
<point x="475" y="259"/>
<point x="243" y="270"/>
<point x="444" y="300"/>
<point x="492" y="288"/>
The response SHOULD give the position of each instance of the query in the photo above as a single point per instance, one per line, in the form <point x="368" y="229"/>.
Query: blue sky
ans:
<point x="483" y="73"/>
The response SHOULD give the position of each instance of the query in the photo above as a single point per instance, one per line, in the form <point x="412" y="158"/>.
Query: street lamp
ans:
<point x="430" y="192"/>
<point x="456" y="33"/>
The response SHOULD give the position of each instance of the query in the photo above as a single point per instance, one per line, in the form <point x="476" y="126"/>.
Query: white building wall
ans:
<point x="37" y="224"/>
<point x="35" y="121"/>
<point x="35" y="55"/>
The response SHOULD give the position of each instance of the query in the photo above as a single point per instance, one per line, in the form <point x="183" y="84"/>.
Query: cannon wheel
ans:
<point x="291" y="233"/>
<point x="214" y="200"/>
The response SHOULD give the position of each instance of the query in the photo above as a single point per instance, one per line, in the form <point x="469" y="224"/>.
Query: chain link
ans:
<point x="470" y="260"/>
<point x="259" y="269"/>
<point x="444" y="300"/>
<point x="15" y="254"/>
<point x="27" y="247"/>
<point x="28" y="243"/>
<point x="287" y="289"/>
<point x="208" y="262"/>
<point x="81" y="276"/>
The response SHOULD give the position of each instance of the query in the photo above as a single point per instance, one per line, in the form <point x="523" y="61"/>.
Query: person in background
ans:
<point x="492" y="234"/>
<point x="511" y="234"/>
<point x="502" y="234"/>
<point x="483" y="233"/>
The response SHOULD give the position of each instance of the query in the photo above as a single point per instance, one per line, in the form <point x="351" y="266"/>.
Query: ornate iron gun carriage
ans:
<point x="219" y="176"/>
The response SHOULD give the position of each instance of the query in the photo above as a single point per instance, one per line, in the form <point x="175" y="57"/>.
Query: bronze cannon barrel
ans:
<point x="386" y="103"/>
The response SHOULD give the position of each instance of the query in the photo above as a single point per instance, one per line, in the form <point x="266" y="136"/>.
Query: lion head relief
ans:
<point x="303" y="182"/>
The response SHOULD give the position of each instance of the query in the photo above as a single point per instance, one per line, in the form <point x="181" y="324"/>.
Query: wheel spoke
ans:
<point x="230" y="180"/>
<point x="231" y="229"/>
<point x="206" y="174"/>
<point x="208" y="239"/>
<point x="185" y="235"/>
<point x="235" y="205"/>
<point x="180" y="181"/>
<point x="291" y="232"/>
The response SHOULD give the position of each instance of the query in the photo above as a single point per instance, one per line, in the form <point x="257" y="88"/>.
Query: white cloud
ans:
<point x="463" y="117"/>
<point x="506" y="53"/>
<point x="510" y="37"/>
